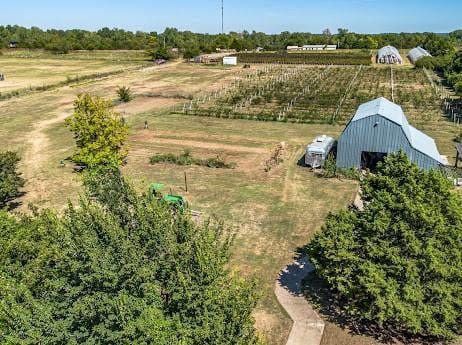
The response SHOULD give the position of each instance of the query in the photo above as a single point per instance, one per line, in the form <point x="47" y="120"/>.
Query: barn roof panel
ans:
<point x="393" y="112"/>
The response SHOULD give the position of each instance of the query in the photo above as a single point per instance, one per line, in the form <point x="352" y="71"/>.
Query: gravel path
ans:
<point x="308" y="327"/>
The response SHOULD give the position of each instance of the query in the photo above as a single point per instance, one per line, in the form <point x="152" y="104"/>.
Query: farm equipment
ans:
<point x="177" y="202"/>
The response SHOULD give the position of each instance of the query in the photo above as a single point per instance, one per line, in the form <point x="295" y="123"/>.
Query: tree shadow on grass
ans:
<point x="333" y="308"/>
<point x="15" y="203"/>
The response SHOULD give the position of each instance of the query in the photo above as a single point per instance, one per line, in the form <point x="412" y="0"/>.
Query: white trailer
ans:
<point x="318" y="151"/>
<point x="230" y="60"/>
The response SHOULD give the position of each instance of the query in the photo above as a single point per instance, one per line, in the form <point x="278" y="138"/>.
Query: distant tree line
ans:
<point x="193" y="43"/>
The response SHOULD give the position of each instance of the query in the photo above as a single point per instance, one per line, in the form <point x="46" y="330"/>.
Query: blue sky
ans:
<point x="269" y="16"/>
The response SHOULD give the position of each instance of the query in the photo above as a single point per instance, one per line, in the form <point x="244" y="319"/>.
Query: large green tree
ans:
<point x="10" y="179"/>
<point x="99" y="131"/>
<point x="399" y="261"/>
<point x="120" y="268"/>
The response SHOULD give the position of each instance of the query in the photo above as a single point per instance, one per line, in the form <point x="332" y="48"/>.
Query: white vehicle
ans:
<point x="318" y="151"/>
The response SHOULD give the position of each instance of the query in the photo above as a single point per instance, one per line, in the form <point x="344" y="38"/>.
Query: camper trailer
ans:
<point x="318" y="151"/>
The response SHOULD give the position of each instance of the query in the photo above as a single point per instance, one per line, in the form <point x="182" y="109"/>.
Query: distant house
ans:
<point x="259" y="49"/>
<point x="313" y="47"/>
<point x="13" y="44"/>
<point x="417" y="53"/>
<point x="379" y="128"/>
<point x="389" y="55"/>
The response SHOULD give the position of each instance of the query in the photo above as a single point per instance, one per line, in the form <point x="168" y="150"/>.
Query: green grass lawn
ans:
<point x="273" y="214"/>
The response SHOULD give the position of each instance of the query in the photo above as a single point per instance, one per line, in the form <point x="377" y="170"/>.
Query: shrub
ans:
<point x="124" y="93"/>
<point x="329" y="170"/>
<point x="10" y="179"/>
<point x="191" y="52"/>
<point x="100" y="133"/>
<point x="398" y="262"/>
<point x="159" y="53"/>
<point x="186" y="159"/>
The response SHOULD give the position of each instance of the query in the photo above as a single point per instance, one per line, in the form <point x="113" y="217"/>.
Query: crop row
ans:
<point x="306" y="58"/>
<point x="319" y="94"/>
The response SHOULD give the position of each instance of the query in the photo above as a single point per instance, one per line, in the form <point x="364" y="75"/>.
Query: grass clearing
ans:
<point x="114" y="55"/>
<point x="22" y="73"/>
<point x="273" y="213"/>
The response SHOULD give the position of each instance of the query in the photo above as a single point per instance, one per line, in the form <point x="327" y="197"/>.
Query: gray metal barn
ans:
<point x="379" y="128"/>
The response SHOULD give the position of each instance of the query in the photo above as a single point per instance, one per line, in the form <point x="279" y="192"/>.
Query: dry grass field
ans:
<point x="273" y="214"/>
<point x="22" y="73"/>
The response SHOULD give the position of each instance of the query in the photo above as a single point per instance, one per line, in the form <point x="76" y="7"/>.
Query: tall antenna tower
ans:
<point x="222" y="17"/>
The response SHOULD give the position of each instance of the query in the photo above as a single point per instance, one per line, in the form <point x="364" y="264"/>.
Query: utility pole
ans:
<point x="222" y="17"/>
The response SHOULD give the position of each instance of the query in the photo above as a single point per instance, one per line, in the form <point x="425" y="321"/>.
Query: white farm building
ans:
<point x="389" y="55"/>
<point x="312" y="47"/>
<point x="230" y="60"/>
<point x="417" y="53"/>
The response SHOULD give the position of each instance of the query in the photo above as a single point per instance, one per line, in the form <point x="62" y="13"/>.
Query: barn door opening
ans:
<point x="369" y="160"/>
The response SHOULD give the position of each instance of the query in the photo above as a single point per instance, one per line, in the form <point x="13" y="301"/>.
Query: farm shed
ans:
<point x="417" y="53"/>
<point x="379" y="128"/>
<point x="230" y="60"/>
<point x="331" y="47"/>
<point x="389" y="55"/>
<point x="313" y="47"/>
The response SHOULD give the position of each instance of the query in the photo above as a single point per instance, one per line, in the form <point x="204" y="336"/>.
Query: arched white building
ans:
<point x="389" y="55"/>
<point x="417" y="53"/>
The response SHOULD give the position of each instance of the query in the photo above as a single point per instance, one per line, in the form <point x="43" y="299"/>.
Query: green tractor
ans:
<point x="177" y="202"/>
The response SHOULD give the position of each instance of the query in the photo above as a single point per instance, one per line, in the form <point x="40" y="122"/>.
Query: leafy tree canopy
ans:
<point x="10" y="179"/>
<point x="100" y="133"/>
<point x="119" y="269"/>
<point x="159" y="53"/>
<point x="438" y="45"/>
<point x="398" y="262"/>
<point x="64" y="40"/>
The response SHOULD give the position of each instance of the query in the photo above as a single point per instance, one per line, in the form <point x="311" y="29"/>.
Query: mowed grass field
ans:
<point x="34" y="124"/>
<point x="111" y="55"/>
<point x="23" y="73"/>
<point x="273" y="214"/>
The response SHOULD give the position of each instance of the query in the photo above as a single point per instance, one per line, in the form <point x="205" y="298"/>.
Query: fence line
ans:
<point x="342" y="100"/>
